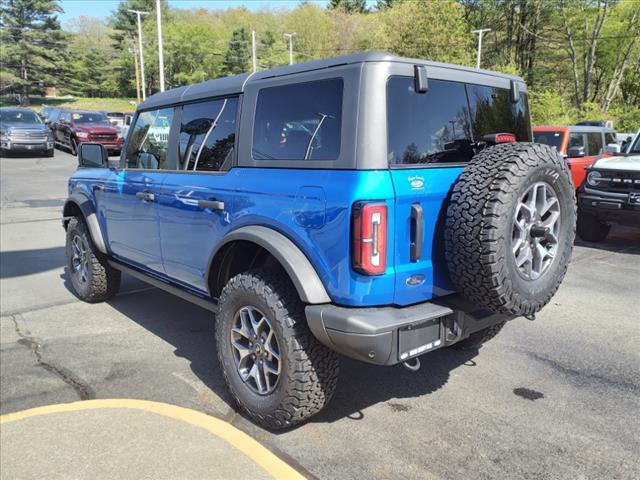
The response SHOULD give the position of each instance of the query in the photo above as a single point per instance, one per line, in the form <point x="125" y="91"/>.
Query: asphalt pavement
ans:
<point x="555" y="398"/>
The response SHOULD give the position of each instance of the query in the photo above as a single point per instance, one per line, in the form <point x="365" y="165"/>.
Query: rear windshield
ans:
<point x="443" y="125"/>
<point x="299" y="122"/>
<point x="553" y="139"/>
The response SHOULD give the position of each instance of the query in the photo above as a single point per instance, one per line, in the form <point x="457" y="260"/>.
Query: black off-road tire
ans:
<point x="103" y="281"/>
<point x="477" y="339"/>
<point x="73" y="147"/>
<point x="309" y="369"/>
<point x="590" y="229"/>
<point x="479" y="227"/>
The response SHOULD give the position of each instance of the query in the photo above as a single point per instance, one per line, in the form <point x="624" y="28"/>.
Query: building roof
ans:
<point x="236" y="84"/>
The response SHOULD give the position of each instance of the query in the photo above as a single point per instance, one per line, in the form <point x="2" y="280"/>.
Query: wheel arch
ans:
<point x="78" y="204"/>
<point x="260" y="245"/>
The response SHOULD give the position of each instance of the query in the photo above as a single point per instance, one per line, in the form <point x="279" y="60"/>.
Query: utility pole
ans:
<point x="160" y="50"/>
<point x="135" y="63"/>
<point x="139" y="14"/>
<point x="290" y="37"/>
<point x="253" y="50"/>
<point x="480" y="33"/>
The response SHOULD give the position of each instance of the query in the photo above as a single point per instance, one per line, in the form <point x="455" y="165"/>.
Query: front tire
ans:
<point x="590" y="229"/>
<point x="93" y="279"/>
<point x="274" y="367"/>
<point x="73" y="147"/>
<point x="49" y="153"/>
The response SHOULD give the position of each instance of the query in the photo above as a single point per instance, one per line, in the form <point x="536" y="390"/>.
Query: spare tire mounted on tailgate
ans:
<point x="510" y="227"/>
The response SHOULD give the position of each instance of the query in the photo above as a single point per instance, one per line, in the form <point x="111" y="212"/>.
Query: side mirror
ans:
<point x="612" y="148"/>
<point x="575" y="152"/>
<point x="92" y="155"/>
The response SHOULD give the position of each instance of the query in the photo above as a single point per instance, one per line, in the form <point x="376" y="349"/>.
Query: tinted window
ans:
<point x="207" y="134"/>
<point x="553" y="139"/>
<point x="610" y="138"/>
<point x="595" y="143"/>
<point x="493" y="112"/>
<point x="576" y="140"/>
<point x="427" y="127"/>
<point x="65" y="116"/>
<point x="299" y="121"/>
<point x="148" y="140"/>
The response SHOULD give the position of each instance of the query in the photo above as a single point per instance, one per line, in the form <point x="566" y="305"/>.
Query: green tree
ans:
<point x="237" y="59"/>
<point x="32" y="44"/>
<point x="430" y="30"/>
<point x="349" y="6"/>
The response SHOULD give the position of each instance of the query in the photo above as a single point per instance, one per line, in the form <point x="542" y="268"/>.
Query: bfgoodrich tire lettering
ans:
<point x="93" y="279"/>
<point x="308" y="369"/>
<point x="479" y="233"/>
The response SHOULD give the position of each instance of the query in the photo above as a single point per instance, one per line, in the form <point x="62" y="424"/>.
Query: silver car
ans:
<point x="22" y="130"/>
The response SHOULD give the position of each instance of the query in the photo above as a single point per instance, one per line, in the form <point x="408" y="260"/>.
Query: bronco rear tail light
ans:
<point x="369" y="230"/>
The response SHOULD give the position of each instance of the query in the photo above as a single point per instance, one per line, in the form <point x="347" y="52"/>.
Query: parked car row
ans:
<point x="73" y="127"/>
<point x="606" y="175"/>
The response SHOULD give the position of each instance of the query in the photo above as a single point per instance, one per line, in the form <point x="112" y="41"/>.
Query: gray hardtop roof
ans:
<point x="589" y="128"/>
<point x="236" y="84"/>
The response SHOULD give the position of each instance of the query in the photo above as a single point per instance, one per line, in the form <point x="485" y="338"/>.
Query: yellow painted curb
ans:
<point x="237" y="438"/>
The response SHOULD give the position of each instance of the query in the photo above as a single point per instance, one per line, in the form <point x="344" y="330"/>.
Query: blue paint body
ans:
<point x="173" y="240"/>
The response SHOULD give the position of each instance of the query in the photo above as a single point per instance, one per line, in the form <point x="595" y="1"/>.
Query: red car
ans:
<point x="580" y="144"/>
<point x="72" y="127"/>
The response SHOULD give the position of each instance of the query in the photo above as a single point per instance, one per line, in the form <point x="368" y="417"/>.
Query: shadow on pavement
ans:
<point x="19" y="263"/>
<point x="190" y="330"/>
<point x="620" y="239"/>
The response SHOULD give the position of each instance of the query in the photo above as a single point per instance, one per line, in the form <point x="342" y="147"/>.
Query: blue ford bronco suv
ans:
<point x="369" y="205"/>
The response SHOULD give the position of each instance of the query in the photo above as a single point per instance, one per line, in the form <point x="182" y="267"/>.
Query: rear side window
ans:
<point x="300" y="121"/>
<point x="430" y="127"/>
<point x="493" y="112"/>
<point x="594" y="140"/>
<point x="207" y="135"/>
<point x="148" y="140"/>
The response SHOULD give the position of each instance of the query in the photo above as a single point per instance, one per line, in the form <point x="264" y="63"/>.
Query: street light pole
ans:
<point x="254" y="60"/>
<point x="290" y="37"/>
<point x="480" y="33"/>
<point x="160" y="49"/>
<point x="139" y="14"/>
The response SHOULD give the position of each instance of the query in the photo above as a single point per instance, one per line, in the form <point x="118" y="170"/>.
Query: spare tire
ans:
<point x="510" y="227"/>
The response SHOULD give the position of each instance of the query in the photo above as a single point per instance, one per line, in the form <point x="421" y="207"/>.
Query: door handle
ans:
<point x="416" y="232"/>
<point x="211" y="204"/>
<point x="100" y="187"/>
<point x="146" y="196"/>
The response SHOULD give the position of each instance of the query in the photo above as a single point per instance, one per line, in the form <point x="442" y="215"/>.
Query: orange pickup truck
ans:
<point x="581" y="145"/>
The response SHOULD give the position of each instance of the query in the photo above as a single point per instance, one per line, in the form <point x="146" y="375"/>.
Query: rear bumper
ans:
<point x="381" y="335"/>
<point x="623" y="208"/>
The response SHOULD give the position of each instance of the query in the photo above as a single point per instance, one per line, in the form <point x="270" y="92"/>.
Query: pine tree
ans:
<point x="349" y="6"/>
<point x="237" y="59"/>
<point x="31" y="46"/>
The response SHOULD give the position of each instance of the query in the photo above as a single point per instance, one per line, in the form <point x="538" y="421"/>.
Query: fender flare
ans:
<point x="304" y="277"/>
<point x="91" y="219"/>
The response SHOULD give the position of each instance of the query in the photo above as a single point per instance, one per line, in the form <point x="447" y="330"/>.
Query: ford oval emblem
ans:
<point x="417" y="182"/>
<point x="415" y="280"/>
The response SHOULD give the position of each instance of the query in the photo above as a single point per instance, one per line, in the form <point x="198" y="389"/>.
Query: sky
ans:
<point x="103" y="8"/>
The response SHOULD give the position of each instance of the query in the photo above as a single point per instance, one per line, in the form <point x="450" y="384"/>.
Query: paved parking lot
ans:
<point x="554" y="398"/>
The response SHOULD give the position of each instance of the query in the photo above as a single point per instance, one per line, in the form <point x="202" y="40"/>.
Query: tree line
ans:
<point x="580" y="58"/>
